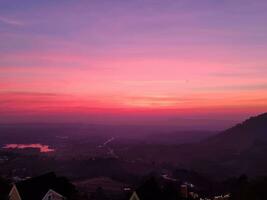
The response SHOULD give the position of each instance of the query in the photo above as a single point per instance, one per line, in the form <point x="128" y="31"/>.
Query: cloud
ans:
<point x="250" y="72"/>
<point x="22" y="93"/>
<point x="157" y="101"/>
<point x="231" y="74"/>
<point x="250" y="87"/>
<point x="10" y="21"/>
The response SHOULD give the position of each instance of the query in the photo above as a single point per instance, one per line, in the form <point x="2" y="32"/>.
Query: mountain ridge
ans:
<point x="237" y="150"/>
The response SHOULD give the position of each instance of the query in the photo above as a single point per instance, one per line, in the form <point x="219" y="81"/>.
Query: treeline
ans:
<point x="5" y="187"/>
<point x="249" y="189"/>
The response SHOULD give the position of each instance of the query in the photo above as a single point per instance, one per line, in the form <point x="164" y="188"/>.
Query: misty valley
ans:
<point x="119" y="158"/>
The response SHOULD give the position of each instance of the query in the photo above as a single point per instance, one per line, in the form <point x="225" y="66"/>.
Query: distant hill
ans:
<point x="242" y="136"/>
<point x="178" y="137"/>
<point x="235" y="151"/>
<point x="240" y="149"/>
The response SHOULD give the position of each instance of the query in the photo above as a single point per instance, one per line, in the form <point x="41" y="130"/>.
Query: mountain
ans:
<point x="233" y="152"/>
<point x="240" y="149"/>
<point x="242" y="136"/>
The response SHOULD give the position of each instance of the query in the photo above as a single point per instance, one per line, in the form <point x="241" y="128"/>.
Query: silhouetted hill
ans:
<point x="240" y="149"/>
<point x="243" y="135"/>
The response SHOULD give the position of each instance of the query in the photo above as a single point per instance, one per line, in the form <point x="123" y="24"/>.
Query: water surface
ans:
<point x="41" y="147"/>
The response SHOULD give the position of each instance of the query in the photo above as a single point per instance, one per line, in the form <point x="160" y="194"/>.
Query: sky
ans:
<point x="173" y="62"/>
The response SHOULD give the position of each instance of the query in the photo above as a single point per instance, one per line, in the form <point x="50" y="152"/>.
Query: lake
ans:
<point x="41" y="147"/>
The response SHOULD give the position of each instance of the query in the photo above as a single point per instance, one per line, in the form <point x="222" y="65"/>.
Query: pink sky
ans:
<point x="133" y="61"/>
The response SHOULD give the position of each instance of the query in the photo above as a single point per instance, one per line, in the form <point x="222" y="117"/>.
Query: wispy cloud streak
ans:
<point x="10" y="21"/>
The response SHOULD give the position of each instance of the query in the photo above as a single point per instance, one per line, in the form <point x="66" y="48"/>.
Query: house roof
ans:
<point x="36" y="188"/>
<point x="134" y="196"/>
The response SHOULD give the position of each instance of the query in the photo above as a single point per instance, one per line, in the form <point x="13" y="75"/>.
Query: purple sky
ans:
<point x="178" y="62"/>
